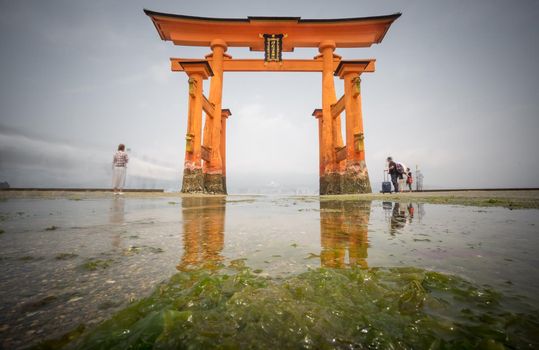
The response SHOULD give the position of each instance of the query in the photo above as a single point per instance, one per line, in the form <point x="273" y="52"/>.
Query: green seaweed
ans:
<point x="38" y="304"/>
<point x="65" y="256"/>
<point x="394" y="308"/>
<point x="62" y="341"/>
<point x="132" y="250"/>
<point x="155" y="250"/>
<point x="97" y="264"/>
<point x="514" y="202"/>
<point x="29" y="258"/>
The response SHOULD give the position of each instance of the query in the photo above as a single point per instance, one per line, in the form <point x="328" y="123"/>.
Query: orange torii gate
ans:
<point x="342" y="163"/>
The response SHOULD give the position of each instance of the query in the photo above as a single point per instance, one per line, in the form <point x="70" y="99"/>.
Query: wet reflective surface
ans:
<point x="67" y="263"/>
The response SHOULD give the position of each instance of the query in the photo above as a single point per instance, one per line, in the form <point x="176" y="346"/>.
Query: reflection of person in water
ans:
<point x="398" y="219"/>
<point x="203" y="232"/>
<point x="410" y="212"/>
<point x="420" y="211"/>
<point x="117" y="211"/>
<point x="117" y="217"/>
<point x="344" y="226"/>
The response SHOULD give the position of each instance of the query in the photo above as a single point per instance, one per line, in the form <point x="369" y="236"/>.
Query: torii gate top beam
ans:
<point x="244" y="32"/>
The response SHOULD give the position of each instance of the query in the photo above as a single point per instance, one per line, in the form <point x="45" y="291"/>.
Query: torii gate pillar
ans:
<point x="225" y="113"/>
<point x="330" y="178"/>
<point x="214" y="181"/>
<point x="342" y="168"/>
<point x="355" y="178"/>
<point x="193" y="177"/>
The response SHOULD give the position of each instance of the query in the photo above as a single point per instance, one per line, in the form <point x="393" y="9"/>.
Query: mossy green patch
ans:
<point x="457" y="199"/>
<point x="26" y="258"/>
<point x="97" y="264"/>
<point x="132" y="250"/>
<point x="65" y="256"/>
<point x="61" y="342"/>
<point x="395" y="308"/>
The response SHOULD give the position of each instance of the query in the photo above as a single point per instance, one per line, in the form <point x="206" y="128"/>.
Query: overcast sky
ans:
<point x="455" y="91"/>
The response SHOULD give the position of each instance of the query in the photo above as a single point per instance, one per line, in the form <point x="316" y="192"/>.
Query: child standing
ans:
<point x="409" y="179"/>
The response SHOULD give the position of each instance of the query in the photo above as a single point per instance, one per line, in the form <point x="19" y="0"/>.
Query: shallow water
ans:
<point x="68" y="262"/>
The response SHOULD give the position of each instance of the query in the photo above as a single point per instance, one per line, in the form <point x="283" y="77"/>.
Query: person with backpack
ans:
<point x="392" y="170"/>
<point x="409" y="179"/>
<point x="400" y="174"/>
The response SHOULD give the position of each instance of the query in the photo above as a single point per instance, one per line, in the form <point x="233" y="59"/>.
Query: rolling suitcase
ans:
<point x="386" y="185"/>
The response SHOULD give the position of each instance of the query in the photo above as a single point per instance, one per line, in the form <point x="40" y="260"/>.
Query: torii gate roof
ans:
<point x="245" y="32"/>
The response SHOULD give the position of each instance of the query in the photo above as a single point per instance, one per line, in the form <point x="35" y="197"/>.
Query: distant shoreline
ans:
<point x="80" y="189"/>
<point x="507" y="198"/>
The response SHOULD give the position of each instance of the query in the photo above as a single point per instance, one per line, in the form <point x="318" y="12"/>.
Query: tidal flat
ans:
<point x="164" y="271"/>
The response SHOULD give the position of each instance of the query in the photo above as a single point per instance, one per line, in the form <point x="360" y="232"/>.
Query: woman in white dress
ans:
<point x="119" y="166"/>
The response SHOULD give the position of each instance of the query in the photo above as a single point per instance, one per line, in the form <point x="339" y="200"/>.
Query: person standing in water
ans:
<point x="119" y="167"/>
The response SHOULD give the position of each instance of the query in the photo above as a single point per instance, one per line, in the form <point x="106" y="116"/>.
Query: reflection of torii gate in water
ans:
<point x="342" y="164"/>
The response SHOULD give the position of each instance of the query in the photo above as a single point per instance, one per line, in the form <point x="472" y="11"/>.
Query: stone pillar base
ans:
<point x="356" y="178"/>
<point x="193" y="181"/>
<point x="214" y="184"/>
<point x="330" y="184"/>
<point x="354" y="182"/>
